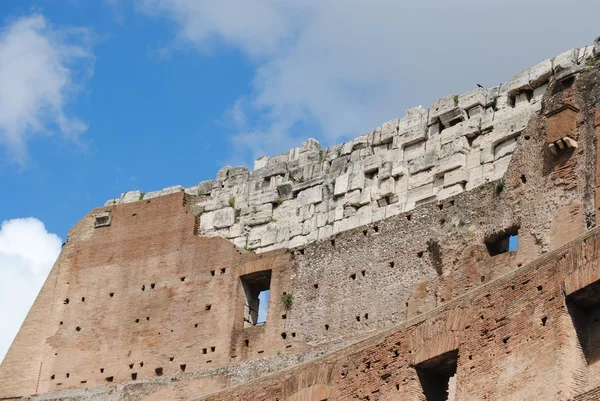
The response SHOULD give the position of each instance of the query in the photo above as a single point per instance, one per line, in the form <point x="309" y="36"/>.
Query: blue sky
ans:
<point x="98" y="97"/>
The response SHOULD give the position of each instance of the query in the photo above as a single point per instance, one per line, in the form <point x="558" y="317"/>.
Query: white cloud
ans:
<point x="42" y="68"/>
<point x="335" y="69"/>
<point x="27" y="253"/>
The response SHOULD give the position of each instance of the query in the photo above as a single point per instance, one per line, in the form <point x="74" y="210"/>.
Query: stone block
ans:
<point x="451" y="191"/>
<point x="505" y="148"/>
<point x="299" y="240"/>
<point x="171" y="190"/>
<point x="357" y="181"/>
<point x="414" y="150"/>
<point x="475" y="97"/>
<point x="385" y="133"/>
<point x="440" y="106"/>
<point x="387" y="187"/>
<point x="269" y="195"/>
<point x="452" y="117"/>
<point x="223" y="173"/>
<point x="417" y="194"/>
<point x="310" y="195"/>
<point x="325" y="232"/>
<point x="260" y="215"/>
<point x="420" y="179"/>
<point x="310" y="144"/>
<point x="206" y="187"/>
<point x="341" y="184"/>
<point x="458" y="176"/>
<point x="261" y="162"/>
<point x="565" y="64"/>
<point x="540" y="73"/>
<point x="223" y="218"/>
<point x="372" y="164"/>
<point x="352" y="198"/>
<point x="452" y="162"/>
<point x="519" y="83"/>
<point x="424" y="162"/>
<point x="269" y="236"/>
<point x="131" y="196"/>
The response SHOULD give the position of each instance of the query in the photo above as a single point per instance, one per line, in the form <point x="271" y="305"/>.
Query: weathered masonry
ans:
<point x="448" y="255"/>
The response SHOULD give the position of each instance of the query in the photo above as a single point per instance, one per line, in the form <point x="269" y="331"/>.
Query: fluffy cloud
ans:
<point x="42" y="68"/>
<point x="27" y="253"/>
<point x="335" y="69"/>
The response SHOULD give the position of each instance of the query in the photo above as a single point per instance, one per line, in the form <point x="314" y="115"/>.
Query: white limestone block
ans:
<point x="310" y="195"/>
<point x="413" y="151"/>
<point x="357" y="181"/>
<point x="322" y="219"/>
<point x="261" y="162"/>
<point x="310" y="144"/>
<point x="450" y="191"/>
<point x="387" y="187"/>
<point x="236" y="230"/>
<point x="293" y="154"/>
<point x="306" y="212"/>
<point x="372" y="164"/>
<point x="417" y="194"/>
<point x="223" y="218"/>
<point x="352" y="198"/>
<point x="475" y="177"/>
<point x="452" y="162"/>
<point x="269" y="236"/>
<point x="566" y="63"/>
<point x="309" y="226"/>
<point x="458" y="176"/>
<point x="475" y="97"/>
<point x="424" y="162"/>
<point x="473" y="158"/>
<point x="518" y="83"/>
<point x="206" y="221"/>
<point x="297" y="241"/>
<point x="171" y="190"/>
<point x="500" y="167"/>
<point x="420" y="179"/>
<point x="339" y="212"/>
<point x="325" y="232"/>
<point x="505" y="148"/>
<point x="540" y="73"/>
<point x="341" y="184"/>
<point x="223" y="173"/>
<point x="131" y="196"/>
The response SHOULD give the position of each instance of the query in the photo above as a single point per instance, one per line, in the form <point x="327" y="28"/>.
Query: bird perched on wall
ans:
<point x="479" y="86"/>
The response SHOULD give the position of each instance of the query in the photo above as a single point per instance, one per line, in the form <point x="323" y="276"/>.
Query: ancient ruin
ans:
<point x="390" y="261"/>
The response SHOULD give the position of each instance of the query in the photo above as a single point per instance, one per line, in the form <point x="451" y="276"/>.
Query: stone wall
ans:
<point x="310" y="194"/>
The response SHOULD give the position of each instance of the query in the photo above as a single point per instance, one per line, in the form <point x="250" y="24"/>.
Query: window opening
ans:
<point x="256" y="288"/>
<point x="438" y="376"/>
<point x="502" y="242"/>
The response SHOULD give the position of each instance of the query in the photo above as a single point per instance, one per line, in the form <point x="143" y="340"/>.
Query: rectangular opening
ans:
<point x="502" y="242"/>
<point x="584" y="308"/>
<point x="102" y="219"/>
<point x="256" y="293"/>
<point x="438" y="376"/>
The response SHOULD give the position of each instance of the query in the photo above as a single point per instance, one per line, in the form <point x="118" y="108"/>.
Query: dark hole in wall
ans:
<point x="435" y="373"/>
<point x="182" y="367"/>
<point x="253" y="285"/>
<point x="109" y="379"/>
<point x="584" y="308"/>
<point x="503" y="241"/>
<point x="158" y="371"/>
<point x="134" y="376"/>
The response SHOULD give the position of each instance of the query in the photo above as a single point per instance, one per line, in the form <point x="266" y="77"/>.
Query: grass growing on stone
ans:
<point x="499" y="186"/>
<point x="141" y="196"/>
<point x="455" y="100"/>
<point x="287" y="300"/>
<point x="232" y="202"/>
